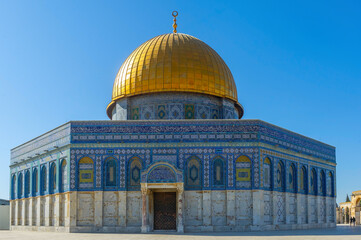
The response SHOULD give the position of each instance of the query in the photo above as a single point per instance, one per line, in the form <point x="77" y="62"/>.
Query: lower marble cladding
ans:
<point x="203" y="211"/>
<point x="223" y="175"/>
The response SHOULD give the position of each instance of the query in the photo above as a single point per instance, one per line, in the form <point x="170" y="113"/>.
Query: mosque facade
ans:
<point x="175" y="155"/>
<point x="350" y="209"/>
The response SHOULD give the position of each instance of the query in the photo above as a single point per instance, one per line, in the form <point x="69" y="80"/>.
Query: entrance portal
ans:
<point x="164" y="211"/>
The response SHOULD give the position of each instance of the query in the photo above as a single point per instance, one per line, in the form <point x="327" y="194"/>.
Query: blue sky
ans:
<point x="297" y="64"/>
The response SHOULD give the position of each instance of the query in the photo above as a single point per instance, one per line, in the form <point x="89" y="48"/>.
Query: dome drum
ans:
<point x="168" y="106"/>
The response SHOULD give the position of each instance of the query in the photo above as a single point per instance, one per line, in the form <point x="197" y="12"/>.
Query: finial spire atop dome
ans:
<point x="175" y="14"/>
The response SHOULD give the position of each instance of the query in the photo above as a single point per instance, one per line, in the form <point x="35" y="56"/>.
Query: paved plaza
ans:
<point x="342" y="232"/>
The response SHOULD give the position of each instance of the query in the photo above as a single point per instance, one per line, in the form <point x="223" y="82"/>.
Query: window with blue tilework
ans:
<point x="63" y="175"/>
<point x="35" y="187"/>
<point x="20" y="185"/>
<point x="280" y="176"/>
<point x="110" y="173"/>
<point x="162" y="112"/>
<point x="292" y="183"/>
<point x="313" y="181"/>
<point x="13" y="187"/>
<point x="189" y="111"/>
<point x="52" y="177"/>
<point x="267" y="173"/>
<point x="303" y="180"/>
<point x="218" y="173"/>
<point x="322" y="183"/>
<point x="43" y="180"/>
<point x="135" y="113"/>
<point x="214" y="114"/>
<point x="134" y="171"/>
<point x="330" y="185"/>
<point x="193" y="173"/>
<point x="27" y="183"/>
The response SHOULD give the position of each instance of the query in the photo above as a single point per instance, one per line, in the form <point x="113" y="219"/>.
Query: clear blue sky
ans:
<point x="297" y="64"/>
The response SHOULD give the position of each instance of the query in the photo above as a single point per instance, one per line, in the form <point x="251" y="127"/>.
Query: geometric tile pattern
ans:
<point x="281" y="217"/>
<point x="98" y="170"/>
<point x="230" y="171"/>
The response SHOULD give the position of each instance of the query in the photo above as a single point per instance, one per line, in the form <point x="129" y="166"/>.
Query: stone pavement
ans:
<point x="342" y="232"/>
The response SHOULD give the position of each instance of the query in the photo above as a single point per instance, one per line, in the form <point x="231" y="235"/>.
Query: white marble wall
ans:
<point x="224" y="210"/>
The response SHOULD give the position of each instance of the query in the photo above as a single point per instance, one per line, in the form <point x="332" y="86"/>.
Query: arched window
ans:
<point x="20" y="185"/>
<point x="63" y="175"/>
<point x="35" y="182"/>
<point x="52" y="177"/>
<point x="280" y="180"/>
<point x="193" y="172"/>
<point x="218" y="173"/>
<point x="243" y="172"/>
<point x="292" y="183"/>
<point x="110" y="172"/>
<point x="313" y="181"/>
<point x="43" y="180"/>
<point x="13" y="187"/>
<point x="330" y="184"/>
<point x="303" y="180"/>
<point x="267" y="173"/>
<point x="27" y="183"/>
<point x="134" y="170"/>
<point x="86" y="173"/>
<point x="322" y="183"/>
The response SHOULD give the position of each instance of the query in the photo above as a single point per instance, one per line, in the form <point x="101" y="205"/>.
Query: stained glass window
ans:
<point x="35" y="181"/>
<point x="218" y="172"/>
<point x="20" y="185"/>
<point x="110" y="172"/>
<point x="27" y="183"/>
<point x="280" y="175"/>
<point x="193" y="173"/>
<point x="135" y="168"/>
<point x="43" y="180"/>
<point x="52" y="177"/>
<point x="267" y="173"/>
<point x="64" y="175"/>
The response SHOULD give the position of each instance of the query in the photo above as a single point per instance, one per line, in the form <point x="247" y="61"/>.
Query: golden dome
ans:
<point x="174" y="62"/>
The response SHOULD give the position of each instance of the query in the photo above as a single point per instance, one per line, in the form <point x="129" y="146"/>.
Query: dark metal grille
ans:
<point x="164" y="211"/>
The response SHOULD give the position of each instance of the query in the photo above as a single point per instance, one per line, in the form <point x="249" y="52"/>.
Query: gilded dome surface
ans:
<point x="173" y="62"/>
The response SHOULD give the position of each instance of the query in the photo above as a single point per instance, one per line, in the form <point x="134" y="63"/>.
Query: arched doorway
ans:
<point x="357" y="211"/>
<point x="162" y="188"/>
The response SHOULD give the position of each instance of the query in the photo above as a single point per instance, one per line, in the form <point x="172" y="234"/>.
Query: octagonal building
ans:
<point x="175" y="156"/>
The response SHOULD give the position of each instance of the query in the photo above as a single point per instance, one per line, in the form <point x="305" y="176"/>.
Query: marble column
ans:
<point x="56" y="211"/>
<point x="231" y="208"/>
<point x="23" y="212"/>
<point x="318" y="204"/>
<point x="16" y="217"/>
<point x="73" y="208"/>
<point x="38" y="212"/>
<point x="180" y="202"/>
<point x="145" y="210"/>
<point x="48" y="210"/>
<point x="122" y="208"/>
<point x="207" y="208"/>
<point x="258" y="208"/>
<point x="98" y="208"/>
<point x="31" y="213"/>
<point x="12" y="213"/>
